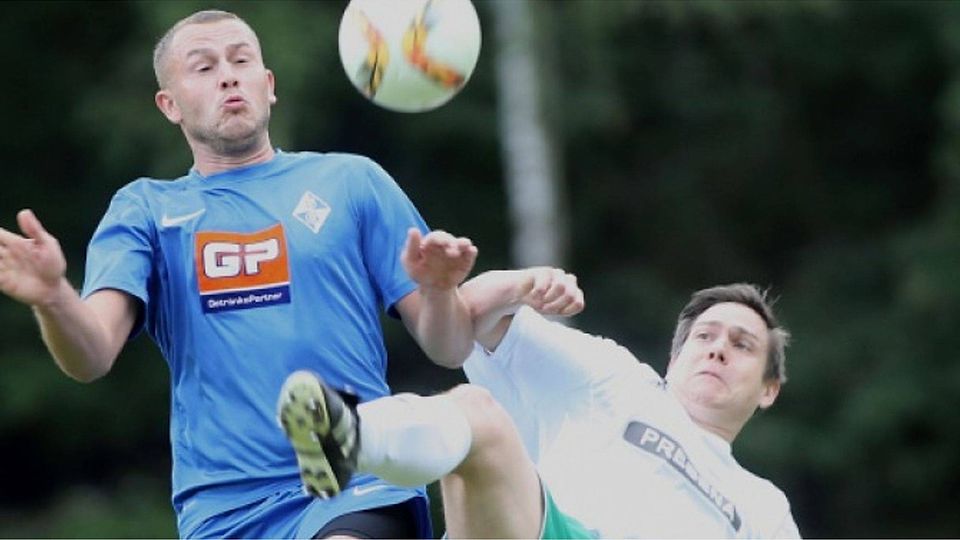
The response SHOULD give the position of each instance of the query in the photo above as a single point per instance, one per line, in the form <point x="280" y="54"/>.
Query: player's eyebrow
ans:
<point x="711" y="324"/>
<point x="737" y="327"/>
<point x="743" y="331"/>
<point x="202" y="51"/>
<point x="209" y="51"/>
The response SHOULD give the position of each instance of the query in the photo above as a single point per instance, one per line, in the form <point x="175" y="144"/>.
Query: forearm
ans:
<point x="444" y="328"/>
<point x="492" y="297"/>
<point x="75" y="336"/>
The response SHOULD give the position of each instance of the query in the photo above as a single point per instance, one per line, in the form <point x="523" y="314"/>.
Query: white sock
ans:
<point x="411" y="440"/>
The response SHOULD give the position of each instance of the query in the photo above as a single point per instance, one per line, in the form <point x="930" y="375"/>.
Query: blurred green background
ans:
<point x="811" y="146"/>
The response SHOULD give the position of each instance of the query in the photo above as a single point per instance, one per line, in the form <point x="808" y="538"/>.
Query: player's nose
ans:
<point x="716" y="351"/>
<point x="228" y="78"/>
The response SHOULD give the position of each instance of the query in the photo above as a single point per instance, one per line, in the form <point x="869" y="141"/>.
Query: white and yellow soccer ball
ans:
<point x="409" y="55"/>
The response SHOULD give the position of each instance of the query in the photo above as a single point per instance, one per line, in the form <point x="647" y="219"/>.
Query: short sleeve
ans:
<point x="543" y="371"/>
<point x="542" y="357"/>
<point x="120" y="254"/>
<point x="386" y="215"/>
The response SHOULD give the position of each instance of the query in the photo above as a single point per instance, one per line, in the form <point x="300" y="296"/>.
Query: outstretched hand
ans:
<point x="31" y="266"/>
<point x="552" y="291"/>
<point x="438" y="260"/>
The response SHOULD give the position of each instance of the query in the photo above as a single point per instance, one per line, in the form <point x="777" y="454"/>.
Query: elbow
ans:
<point x="86" y="374"/>
<point x="449" y="363"/>
<point x="87" y="377"/>
<point x="453" y="359"/>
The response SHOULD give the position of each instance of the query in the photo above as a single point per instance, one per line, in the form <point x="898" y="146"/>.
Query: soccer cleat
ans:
<point x="323" y="429"/>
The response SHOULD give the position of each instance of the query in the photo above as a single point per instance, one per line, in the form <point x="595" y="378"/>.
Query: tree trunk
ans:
<point x="533" y="183"/>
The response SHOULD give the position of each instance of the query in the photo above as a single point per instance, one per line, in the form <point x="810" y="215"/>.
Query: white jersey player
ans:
<point x="613" y="443"/>
<point x="567" y="435"/>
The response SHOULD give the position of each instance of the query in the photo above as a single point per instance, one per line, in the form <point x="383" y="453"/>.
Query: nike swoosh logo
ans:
<point x="167" y="221"/>
<point x="361" y="490"/>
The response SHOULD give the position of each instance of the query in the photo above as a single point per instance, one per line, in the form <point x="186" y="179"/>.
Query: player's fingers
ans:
<point x="460" y="247"/>
<point x="524" y="285"/>
<point x="551" y="283"/>
<point x="434" y="241"/>
<point x="467" y="257"/>
<point x="440" y="249"/>
<point x="575" y="293"/>
<point x="575" y="306"/>
<point x="542" y="278"/>
<point x="443" y="243"/>
<point x="559" y="285"/>
<point x="438" y="243"/>
<point x="414" y="236"/>
<point x="8" y="238"/>
<point x="31" y="226"/>
<point x="411" y="248"/>
<point x="563" y="289"/>
<point x="464" y="243"/>
<point x="438" y="237"/>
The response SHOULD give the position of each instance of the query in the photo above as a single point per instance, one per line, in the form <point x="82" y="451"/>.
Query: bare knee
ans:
<point x="495" y="491"/>
<point x="490" y="425"/>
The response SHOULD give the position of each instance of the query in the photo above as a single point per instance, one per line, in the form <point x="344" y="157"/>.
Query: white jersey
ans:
<point x="615" y="448"/>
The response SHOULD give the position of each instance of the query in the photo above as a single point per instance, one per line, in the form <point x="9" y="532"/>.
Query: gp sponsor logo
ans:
<point x="242" y="270"/>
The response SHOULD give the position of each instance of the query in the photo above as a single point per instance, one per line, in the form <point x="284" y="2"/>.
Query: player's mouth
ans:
<point x="709" y="373"/>
<point x="234" y="102"/>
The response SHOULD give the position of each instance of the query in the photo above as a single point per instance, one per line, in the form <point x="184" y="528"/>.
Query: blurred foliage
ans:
<point x="808" y="146"/>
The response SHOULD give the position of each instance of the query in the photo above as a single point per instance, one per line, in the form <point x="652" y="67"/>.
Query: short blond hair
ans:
<point x="200" y="17"/>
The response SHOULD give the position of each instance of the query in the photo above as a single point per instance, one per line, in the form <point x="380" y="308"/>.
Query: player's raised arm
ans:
<point x="493" y="297"/>
<point x="83" y="337"/>
<point x="435" y="314"/>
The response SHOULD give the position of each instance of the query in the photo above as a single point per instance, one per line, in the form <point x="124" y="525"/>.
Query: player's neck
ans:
<point x="208" y="162"/>
<point x="709" y="417"/>
<point x="724" y="432"/>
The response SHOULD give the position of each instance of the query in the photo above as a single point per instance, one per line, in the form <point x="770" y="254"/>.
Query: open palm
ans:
<point x="438" y="260"/>
<point x="31" y="266"/>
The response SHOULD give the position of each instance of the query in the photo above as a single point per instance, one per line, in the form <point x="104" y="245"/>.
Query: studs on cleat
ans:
<point x="307" y="412"/>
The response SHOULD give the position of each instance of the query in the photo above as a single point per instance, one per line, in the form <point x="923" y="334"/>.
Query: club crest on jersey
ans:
<point x="242" y="270"/>
<point x="312" y="211"/>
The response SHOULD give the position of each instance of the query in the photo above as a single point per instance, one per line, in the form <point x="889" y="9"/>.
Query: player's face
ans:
<point x="219" y="91"/>
<point x="718" y="373"/>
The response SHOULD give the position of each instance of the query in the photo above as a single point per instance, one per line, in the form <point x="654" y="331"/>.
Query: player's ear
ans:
<point x="168" y="106"/>
<point x="771" y="389"/>
<point x="271" y="85"/>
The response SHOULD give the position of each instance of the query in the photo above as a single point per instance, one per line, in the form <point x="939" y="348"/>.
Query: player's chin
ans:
<point x="235" y="124"/>
<point x="237" y="142"/>
<point x="242" y="126"/>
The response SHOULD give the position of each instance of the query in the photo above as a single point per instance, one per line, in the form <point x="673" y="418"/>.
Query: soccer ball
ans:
<point x="409" y="55"/>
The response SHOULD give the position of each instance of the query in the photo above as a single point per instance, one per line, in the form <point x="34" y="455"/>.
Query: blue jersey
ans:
<point x="246" y="276"/>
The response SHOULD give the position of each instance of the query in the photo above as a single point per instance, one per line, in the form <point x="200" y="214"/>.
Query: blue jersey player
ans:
<point x="255" y="264"/>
